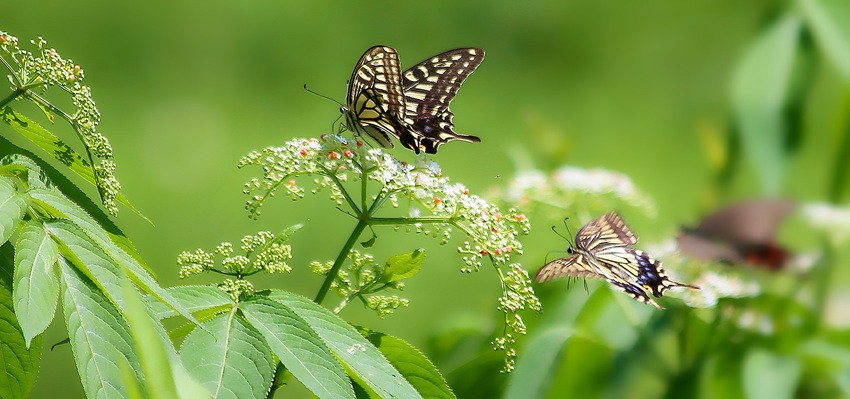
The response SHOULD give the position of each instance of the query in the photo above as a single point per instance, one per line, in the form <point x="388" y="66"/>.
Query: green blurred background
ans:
<point x="187" y="88"/>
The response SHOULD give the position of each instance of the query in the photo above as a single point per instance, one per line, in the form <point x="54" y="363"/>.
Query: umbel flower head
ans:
<point x="32" y="73"/>
<point x="438" y="207"/>
<point x="589" y="191"/>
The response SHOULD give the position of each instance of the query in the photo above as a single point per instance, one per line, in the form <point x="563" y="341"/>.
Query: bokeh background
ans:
<point x="186" y="88"/>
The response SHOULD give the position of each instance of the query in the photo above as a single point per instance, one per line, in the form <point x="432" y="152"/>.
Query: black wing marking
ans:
<point x="429" y="88"/>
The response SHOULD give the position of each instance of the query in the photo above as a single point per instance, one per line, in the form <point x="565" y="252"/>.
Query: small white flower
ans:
<point x="833" y="220"/>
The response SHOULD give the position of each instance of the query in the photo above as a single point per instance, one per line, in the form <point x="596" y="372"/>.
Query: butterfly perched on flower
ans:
<point x="603" y="249"/>
<point x="382" y="102"/>
<point x="740" y="233"/>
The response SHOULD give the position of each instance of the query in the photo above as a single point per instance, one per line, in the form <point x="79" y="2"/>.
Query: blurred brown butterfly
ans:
<point x="741" y="233"/>
<point x="604" y="250"/>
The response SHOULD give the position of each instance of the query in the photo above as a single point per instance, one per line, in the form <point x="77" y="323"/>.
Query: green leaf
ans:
<point x="12" y="208"/>
<point x="77" y="248"/>
<point x="19" y="365"/>
<point x="829" y="20"/>
<point x="36" y="280"/>
<point x="767" y="375"/>
<point x="759" y="93"/>
<point x="532" y="375"/>
<point x="100" y="337"/>
<point x="404" y="266"/>
<point x="51" y="144"/>
<point x="231" y="360"/>
<point x="193" y="298"/>
<point x="416" y="368"/>
<point x="364" y="360"/>
<point x="107" y="249"/>
<point x="299" y="348"/>
<point x="150" y="346"/>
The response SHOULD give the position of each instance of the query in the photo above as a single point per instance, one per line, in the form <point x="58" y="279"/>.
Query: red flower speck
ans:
<point x="333" y="155"/>
<point x="303" y="152"/>
<point x="348" y="153"/>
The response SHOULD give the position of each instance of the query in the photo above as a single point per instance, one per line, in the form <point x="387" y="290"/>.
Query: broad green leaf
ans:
<point x="18" y="365"/>
<point x="759" y="92"/>
<point x="416" y="368"/>
<point x="12" y="208"/>
<point x="97" y="235"/>
<point x="36" y="279"/>
<point x="51" y="144"/>
<point x="720" y="376"/>
<point x="231" y="360"/>
<point x="193" y="298"/>
<point x="534" y="368"/>
<point x="767" y="375"/>
<point x="100" y="337"/>
<point x="150" y="345"/>
<point x="404" y="266"/>
<point x="829" y="20"/>
<point x="364" y="360"/>
<point x="77" y="248"/>
<point x="23" y="166"/>
<point x="298" y="347"/>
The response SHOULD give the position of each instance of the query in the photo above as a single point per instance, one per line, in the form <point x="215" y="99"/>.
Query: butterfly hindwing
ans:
<point x="603" y="250"/>
<point x="429" y="88"/>
<point x="571" y="266"/>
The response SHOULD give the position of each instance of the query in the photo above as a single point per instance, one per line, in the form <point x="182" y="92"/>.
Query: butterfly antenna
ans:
<point x="569" y="233"/>
<point x="321" y="95"/>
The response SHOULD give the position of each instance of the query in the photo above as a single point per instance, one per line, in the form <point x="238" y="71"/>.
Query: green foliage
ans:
<point x="770" y="340"/>
<point x="298" y="347"/>
<point x="231" y="360"/>
<point x="100" y="337"/>
<point x="411" y="363"/>
<point x="36" y="279"/>
<point x="20" y="357"/>
<point x="760" y="93"/>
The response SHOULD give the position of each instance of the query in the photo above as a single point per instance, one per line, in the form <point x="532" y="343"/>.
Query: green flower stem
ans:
<point x="11" y="71"/>
<point x="341" y="187"/>
<point x="434" y="219"/>
<point x="11" y="97"/>
<point x="280" y="376"/>
<point x="340" y="259"/>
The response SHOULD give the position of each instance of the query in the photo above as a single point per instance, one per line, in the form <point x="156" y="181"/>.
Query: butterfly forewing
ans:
<point x="375" y="101"/>
<point x="604" y="232"/>
<point x="604" y="251"/>
<point x="429" y="88"/>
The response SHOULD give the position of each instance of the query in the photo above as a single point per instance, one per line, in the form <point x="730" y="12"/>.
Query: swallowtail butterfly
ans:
<point x="416" y="110"/>
<point x="741" y="233"/>
<point x="604" y="250"/>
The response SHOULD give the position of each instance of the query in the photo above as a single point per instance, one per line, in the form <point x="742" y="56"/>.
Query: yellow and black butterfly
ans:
<point x="417" y="112"/>
<point x="604" y="250"/>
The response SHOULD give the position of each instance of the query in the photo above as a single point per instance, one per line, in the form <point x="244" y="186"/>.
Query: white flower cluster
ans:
<point x="46" y="68"/>
<point x="437" y="207"/>
<point x="833" y="220"/>
<point x="262" y="252"/>
<point x="570" y="185"/>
